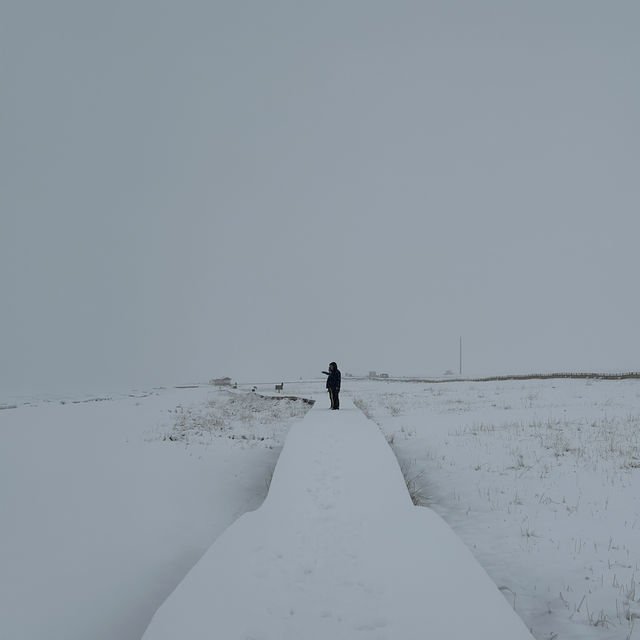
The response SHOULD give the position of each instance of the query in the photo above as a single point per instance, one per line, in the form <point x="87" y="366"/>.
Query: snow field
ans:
<point x="106" y="506"/>
<point x="101" y="515"/>
<point x="337" y="550"/>
<point x="541" y="480"/>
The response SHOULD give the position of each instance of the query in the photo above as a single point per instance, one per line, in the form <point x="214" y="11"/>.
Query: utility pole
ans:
<point x="460" y="355"/>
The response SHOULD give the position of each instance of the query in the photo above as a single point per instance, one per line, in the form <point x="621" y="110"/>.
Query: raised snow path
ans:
<point x="337" y="550"/>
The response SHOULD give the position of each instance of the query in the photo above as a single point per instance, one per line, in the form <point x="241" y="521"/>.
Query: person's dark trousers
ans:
<point x="334" y="396"/>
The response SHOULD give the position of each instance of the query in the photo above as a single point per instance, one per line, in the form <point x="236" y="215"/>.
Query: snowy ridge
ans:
<point x="337" y="550"/>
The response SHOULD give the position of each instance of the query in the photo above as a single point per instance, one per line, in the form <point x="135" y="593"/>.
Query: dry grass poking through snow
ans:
<point x="247" y="417"/>
<point x="541" y="479"/>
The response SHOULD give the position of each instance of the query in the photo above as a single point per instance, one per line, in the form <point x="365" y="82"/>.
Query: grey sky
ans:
<point x="194" y="189"/>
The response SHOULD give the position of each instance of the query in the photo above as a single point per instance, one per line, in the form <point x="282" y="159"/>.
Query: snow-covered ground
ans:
<point x="105" y="506"/>
<point x="337" y="551"/>
<point x="102" y="515"/>
<point x="541" y="479"/>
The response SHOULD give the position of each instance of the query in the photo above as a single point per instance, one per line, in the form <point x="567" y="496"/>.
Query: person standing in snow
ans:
<point x="333" y="385"/>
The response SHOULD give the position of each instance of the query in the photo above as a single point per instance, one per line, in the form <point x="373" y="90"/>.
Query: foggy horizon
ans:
<point x="192" y="191"/>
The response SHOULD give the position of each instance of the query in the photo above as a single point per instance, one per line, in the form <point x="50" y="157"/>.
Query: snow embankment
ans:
<point x="337" y="550"/>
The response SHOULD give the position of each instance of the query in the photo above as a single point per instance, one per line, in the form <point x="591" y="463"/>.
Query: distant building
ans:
<point x="221" y="382"/>
<point x="373" y="374"/>
<point x="383" y="375"/>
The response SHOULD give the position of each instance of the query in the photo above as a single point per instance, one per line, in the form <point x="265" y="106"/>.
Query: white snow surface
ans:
<point x="101" y="515"/>
<point x="109" y="500"/>
<point x="337" y="550"/>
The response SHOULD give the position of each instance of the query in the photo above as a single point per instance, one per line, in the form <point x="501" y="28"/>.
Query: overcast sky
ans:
<point x="196" y="189"/>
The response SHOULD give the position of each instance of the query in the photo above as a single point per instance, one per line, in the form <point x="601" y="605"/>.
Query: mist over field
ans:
<point x="195" y="190"/>
<point x="444" y="193"/>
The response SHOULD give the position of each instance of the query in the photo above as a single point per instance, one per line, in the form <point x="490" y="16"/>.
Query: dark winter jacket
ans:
<point x="333" y="381"/>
